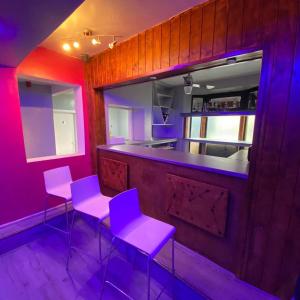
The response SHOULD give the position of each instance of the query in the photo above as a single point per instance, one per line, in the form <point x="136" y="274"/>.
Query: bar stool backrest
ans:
<point x="57" y="177"/>
<point x="84" y="188"/>
<point x="123" y="209"/>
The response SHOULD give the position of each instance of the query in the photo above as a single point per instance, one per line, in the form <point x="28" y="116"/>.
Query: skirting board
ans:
<point x="19" y="225"/>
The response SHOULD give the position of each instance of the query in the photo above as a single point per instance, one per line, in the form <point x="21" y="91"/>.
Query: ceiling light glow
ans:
<point x="210" y="87"/>
<point x="95" y="41"/>
<point x="66" y="46"/>
<point x="76" y="44"/>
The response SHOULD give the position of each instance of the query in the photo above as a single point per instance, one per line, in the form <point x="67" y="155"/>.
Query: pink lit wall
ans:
<point x="21" y="184"/>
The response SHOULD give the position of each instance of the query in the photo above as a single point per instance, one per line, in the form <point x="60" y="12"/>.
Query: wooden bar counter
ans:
<point x="204" y="197"/>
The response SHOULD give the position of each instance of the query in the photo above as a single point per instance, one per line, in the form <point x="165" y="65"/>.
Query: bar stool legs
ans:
<point x="66" y="231"/>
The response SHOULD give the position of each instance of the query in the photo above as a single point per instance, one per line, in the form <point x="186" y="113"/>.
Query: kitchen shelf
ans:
<point x="164" y="95"/>
<point x="219" y="142"/>
<point x="162" y="124"/>
<point x="220" y="113"/>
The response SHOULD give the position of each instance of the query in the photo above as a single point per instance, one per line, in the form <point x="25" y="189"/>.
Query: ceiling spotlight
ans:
<point x="112" y="44"/>
<point x="209" y="87"/>
<point x="66" y="46"/>
<point x="76" y="44"/>
<point x="188" y="89"/>
<point x="96" y="41"/>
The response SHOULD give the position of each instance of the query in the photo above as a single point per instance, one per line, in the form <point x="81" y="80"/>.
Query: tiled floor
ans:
<point x="32" y="266"/>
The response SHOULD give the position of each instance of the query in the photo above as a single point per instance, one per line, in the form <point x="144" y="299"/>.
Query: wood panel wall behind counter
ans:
<point x="217" y="29"/>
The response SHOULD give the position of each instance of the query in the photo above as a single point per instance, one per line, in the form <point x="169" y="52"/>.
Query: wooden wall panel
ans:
<point x="208" y="25"/>
<point x="235" y="24"/>
<point x="220" y="32"/>
<point x="184" y="42"/>
<point x="129" y="58"/>
<point x="157" y="47"/>
<point x="251" y="23"/>
<point x="165" y="44"/>
<point x="174" y="40"/>
<point x="149" y="50"/>
<point x="219" y="28"/>
<point x="135" y="55"/>
<point x="142" y="53"/>
<point x="195" y="35"/>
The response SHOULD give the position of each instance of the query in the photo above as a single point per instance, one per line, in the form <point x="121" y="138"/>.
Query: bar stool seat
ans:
<point x="96" y="206"/>
<point x="147" y="234"/>
<point x="62" y="191"/>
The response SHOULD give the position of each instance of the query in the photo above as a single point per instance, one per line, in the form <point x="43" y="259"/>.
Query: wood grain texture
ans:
<point x="135" y="55"/>
<point x="220" y="29"/>
<point x="201" y="204"/>
<point x="174" y="40"/>
<point x="184" y="43"/>
<point x="195" y="38"/>
<point x="165" y="44"/>
<point x="235" y="24"/>
<point x="113" y="174"/>
<point x="208" y="28"/>
<point x="149" y="50"/>
<point x="142" y="53"/>
<point x="129" y="58"/>
<point x="157" y="47"/>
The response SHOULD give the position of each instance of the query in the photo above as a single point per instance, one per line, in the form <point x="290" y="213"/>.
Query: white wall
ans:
<point x="139" y="98"/>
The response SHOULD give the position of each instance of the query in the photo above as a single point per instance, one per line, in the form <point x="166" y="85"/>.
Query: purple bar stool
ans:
<point x="57" y="183"/>
<point x="146" y="234"/>
<point x="88" y="199"/>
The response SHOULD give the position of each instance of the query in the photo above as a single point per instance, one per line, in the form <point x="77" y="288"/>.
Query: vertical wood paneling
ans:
<point x="269" y="19"/>
<point x="135" y="55"/>
<point x="157" y="47"/>
<point x="184" y="44"/>
<point x="235" y="24"/>
<point x="220" y="33"/>
<point x="129" y="58"/>
<point x="165" y="44"/>
<point x="174" y="40"/>
<point x="142" y="53"/>
<point x="195" y="35"/>
<point x="251" y="22"/>
<point x="123" y="60"/>
<point x="208" y="26"/>
<point x="149" y="50"/>
<point x="118" y="62"/>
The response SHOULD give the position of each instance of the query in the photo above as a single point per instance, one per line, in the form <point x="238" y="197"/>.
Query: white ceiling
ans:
<point x="114" y="17"/>
<point x="232" y="77"/>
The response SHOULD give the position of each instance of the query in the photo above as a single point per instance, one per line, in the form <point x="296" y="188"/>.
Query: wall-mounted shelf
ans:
<point x="219" y="142"/>
<point x="164" y="95"/>
<point x="220" y="113"/>
<point x="162" y="124"/>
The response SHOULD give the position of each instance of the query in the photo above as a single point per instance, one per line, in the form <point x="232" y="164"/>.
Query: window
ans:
<point x="225" y="128"/>
<point x="119" y="119"/>
<point x="52" y="119"/>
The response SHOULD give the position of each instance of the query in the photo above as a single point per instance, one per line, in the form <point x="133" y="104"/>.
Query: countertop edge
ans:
<point x="176" y="162"/>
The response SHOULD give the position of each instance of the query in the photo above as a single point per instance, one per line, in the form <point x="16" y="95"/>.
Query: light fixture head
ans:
<point x="95" y="41"/>
<point x="188" y="89"/>
<point x="66" y="46"/>
<point x="209" y="87"/>
<point x="112" y="44"/>
<point x="231" y="60"/>
<point x="76" y="44"/>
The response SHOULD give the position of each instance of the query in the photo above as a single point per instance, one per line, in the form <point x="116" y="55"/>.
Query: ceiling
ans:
<point x="114" y="17"/>
<point x="232" y="77"/>
<point x="25" y="24"/>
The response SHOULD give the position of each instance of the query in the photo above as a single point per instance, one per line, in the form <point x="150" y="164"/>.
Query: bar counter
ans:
<point x="232" y="167"/>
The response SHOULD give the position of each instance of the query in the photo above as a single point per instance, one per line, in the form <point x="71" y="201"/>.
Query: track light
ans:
<point x="112" y="44"/>
<point x="209" y="87"/>
<point x="76" y="44"/>
<point x="66" y="46"/>
<point x="96" y="41"/>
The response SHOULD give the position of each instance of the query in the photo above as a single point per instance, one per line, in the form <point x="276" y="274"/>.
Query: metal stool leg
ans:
<point x="45" y="209"/>
<point x="67" y="216"/>
<point x="100" y="250"/>
<point x="70" y="237"/>
<point x="173" y="256"/>
<point x="148" y="277"/>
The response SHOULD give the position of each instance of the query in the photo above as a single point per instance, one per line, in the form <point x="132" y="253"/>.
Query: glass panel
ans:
<point x="195" y="127"/>
<point x="225" y="128"/>
<point x="249" y="128"/>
